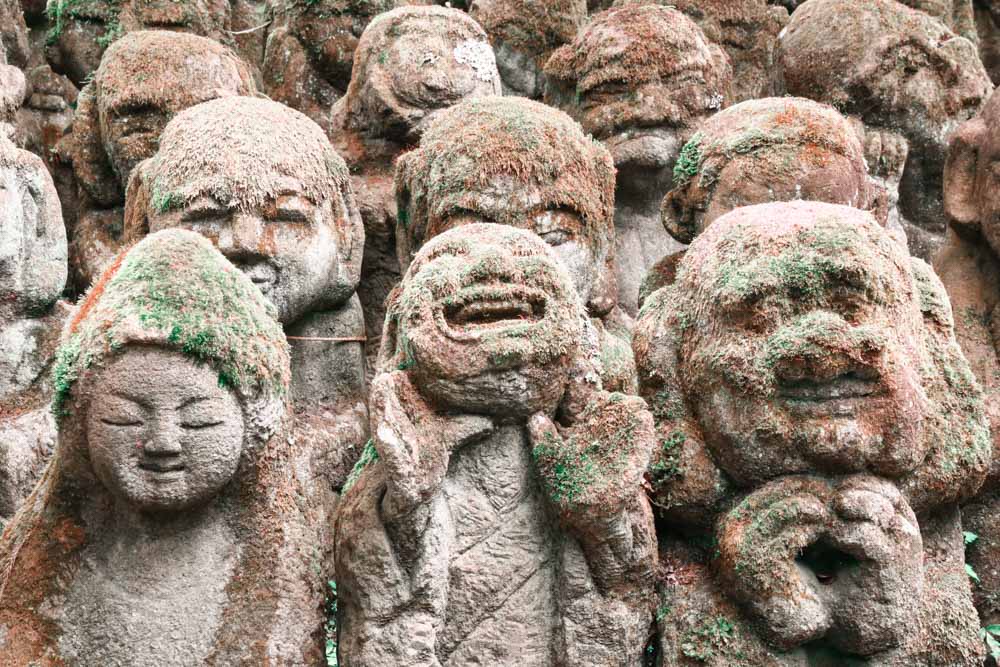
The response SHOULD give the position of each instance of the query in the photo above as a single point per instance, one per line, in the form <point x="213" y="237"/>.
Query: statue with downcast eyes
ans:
<point x="144" y="79"/>
<point x="760" y="151"/>
<point x="909" y="80"/>
<point x="263" y="183"/>
<point x="32" y="277"/>
<point x="524" y="33"/>
<point x="160" y="533"/>
<point x="498" y="515"/>
<point x="410" y="64"/>
<point x="520" y="163"/>
<point x="639" y="78"/>
<point x="819" y="424"/>
<point x="970" y="270"/>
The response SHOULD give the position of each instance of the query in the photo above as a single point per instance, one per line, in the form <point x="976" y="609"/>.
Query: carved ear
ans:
<point x="660" y="275"/>
<point x="137" y="200"/>
<point x="877" y="201"/>
<point x="90" y="161"/>
<point x="410" y="221"/>
<point x="960" y="176"/>
<point x="676" y="216"/>
<point x="604" y="293"/>
<point x="351" y="239"/>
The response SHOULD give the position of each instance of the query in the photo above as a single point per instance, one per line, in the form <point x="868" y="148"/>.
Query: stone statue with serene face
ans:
<point x="909" y="80"/>
<point x="410" y="64"/>
<point x="499" y="512"/>
<point x="640" y="78"/>
<point x="818" y="420"/>
<point x="516" y="162"/>
<point x="263" y="183"/>
<point x="144" y="80"/>
<point x="159" y="533"/>
<point x="970" y="270"/>
<point x="32" y="276"/>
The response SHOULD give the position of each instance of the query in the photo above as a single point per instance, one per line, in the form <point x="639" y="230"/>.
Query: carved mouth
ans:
<point x="162" y="467"/>
<point x="493" y="309"/>
<point x="841" y="395"/>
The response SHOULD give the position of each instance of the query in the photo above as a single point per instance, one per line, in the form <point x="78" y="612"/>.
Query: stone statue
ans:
<point x="906" y="77"/>
<point x="640" y="78"/>
<point x="520" y="163"/>
<point x="499" y="514"/>
<point x="12" y="91"/>
<point x="970" y="270"/>
<point x="818" y="426"/>
<point x="524" y="33"/>
<point x="172" y="526"/>
<point x="759" y="151"/>
<point x="987" y="19"/>
<point x="144" y="80"/>
<point x="32" y="277"/>
<point x="410" y="64"/>
<point x="747" y="30"/>
<point x="263" y="183"/>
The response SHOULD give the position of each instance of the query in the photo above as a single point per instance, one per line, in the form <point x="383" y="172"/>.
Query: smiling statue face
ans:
<point x="808" y="361"/>
<point x="488" y="321"/>
<point x="163" y="435"/>
<point x="286" y="245"/>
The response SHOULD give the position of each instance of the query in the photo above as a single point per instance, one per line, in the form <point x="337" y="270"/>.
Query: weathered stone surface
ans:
<point x="410" y="64"/>
<point x="818" y="420"/>
<point x="640" y="78"/>
<point x="499" y="515"/>
<point x="516" y="162"/>
<point x="188" y="548"/>
<point x="264" y="184"/>
<point x="524" y="33"/>
<point x="908" y="78"/>
<point x="145" y="79"/>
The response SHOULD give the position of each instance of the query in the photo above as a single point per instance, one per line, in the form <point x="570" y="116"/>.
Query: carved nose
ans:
<point x="164" y="443"/>
<point x="242" y="238"/>
<point x="492" y="266"/>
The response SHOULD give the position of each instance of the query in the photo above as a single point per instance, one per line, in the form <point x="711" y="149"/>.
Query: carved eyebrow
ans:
<point x="130" y="399"/>
<point x="193" y="400"/>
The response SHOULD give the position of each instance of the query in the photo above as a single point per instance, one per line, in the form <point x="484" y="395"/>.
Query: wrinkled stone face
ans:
<point x="163" y="435"/>
<point x="987" y="182"/>
<point x="488" y="319"/>
<point x="286" y="245"/>
<point x="561" y="227"/>
<point x="131" y="133"/>
<point x="77" y="47"/>
<point x="809" y="363"/>
<point x="817" y="175"/>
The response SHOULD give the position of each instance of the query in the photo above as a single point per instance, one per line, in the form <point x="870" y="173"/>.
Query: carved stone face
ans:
<point x="32" y="235"/>
<point x="148" y="77"/>
<point x="638" y="78"/>
<point x="198" y="17"/>
<point x="775" y="149"/>
<point x="972" y="175"/>
<point x="808" y="357"/>
<point x="414" y="61"/>
<point x="163" y="435"/>
<point x="295" y="230"/>
<point x="488" y="321"/>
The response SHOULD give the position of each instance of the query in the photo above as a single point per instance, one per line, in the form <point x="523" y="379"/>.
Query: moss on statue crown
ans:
<point x="175" y="290"/>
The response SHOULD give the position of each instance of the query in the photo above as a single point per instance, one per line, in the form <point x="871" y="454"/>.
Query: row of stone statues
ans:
<point x="649" y="373"/>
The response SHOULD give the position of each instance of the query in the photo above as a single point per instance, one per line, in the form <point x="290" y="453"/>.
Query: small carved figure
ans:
<point x="144" y="80"/>
<point x="32" y="276"/>
<point x="521" y="163"/>
<point x="310" y="51"/>
<point x="409" y="65"/>
<point x="264" y="184"/>
<point x="906" y="77"/>
<point x="163" y="531"/>
<point x="640" y="78"/>
<point x="524" y="33"/>
<point x="499" y="515"/>
<point x="817" y="418"/>
<point x="970" y="270"/>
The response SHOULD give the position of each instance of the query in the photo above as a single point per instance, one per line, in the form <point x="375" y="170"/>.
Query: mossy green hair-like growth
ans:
<point x="175" y="290"/>
<point x="483" y="144"/>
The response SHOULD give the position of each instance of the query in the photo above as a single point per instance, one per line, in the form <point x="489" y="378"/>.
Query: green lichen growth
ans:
<point x="163" y="201"/>
<point x="572" y="471"/>
<point x="330" y="627"/>
<point x="713" y="638"/>
<point x="689" y="161"/>
<point x="368" y="456"/>
<point x="174" y="289"/>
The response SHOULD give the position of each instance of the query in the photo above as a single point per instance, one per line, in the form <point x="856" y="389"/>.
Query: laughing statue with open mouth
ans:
<point x="498" y="513"/>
